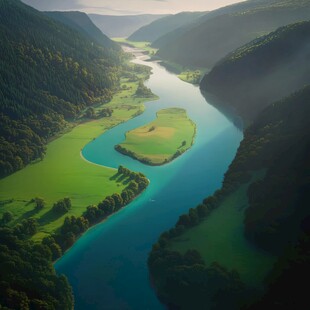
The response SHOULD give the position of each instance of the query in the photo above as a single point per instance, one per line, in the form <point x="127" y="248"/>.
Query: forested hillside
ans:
<point x="48" y="74"/>
<point x="122" y="26"/>
<point x="162" y="26"/>
<point x="214" y="38"/>
<point x="28" y="278"/>
<point x="83" y="24"/>
<point x="165" y="39"/>
<point x="277" y="218"/>
<point x="263" y="71"/>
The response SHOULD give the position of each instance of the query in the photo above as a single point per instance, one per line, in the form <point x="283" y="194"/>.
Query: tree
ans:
<point x="90" y="113"/>
<point x="7" y="217"/>
<point x="39" y="203"/>
<point x="62" y="206"/>
<point x="118" y="201"/>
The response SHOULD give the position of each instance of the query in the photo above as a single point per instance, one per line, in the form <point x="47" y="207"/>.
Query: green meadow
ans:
<point x="64" y="173"/>
<point x="220" y="238"/>
<point x="146" y="46"/>
<point x="192" y="77"/>
<point x="160" y="141"/>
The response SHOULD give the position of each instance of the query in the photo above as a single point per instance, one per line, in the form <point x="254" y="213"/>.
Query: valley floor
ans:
<point x="63" y="173"/>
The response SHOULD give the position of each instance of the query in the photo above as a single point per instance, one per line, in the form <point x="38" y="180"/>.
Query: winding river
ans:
<point x="107" y="266"/>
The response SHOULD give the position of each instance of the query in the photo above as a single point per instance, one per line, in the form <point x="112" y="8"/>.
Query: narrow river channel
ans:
<point x="107" y="267"/>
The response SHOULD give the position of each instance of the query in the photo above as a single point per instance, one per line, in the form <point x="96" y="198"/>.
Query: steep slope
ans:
<point x="164" y="25"/>
<point x="122" y="26"/>
<point x="213" y="39"/>
<point x="81" y="22"/>
<point x="165" y="39"/>
<point x="263" y="71"/>
<point x="278" y="142"/>
<point x="48" y="73"/>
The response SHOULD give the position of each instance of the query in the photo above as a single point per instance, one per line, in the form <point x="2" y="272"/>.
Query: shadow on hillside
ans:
<point x="49" y="216"/>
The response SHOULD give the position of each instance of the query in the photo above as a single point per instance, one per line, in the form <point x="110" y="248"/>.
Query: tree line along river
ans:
<point x="107" y="266"/>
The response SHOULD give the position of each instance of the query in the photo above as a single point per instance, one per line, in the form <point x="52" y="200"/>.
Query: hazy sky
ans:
<point x="121" y="7"/>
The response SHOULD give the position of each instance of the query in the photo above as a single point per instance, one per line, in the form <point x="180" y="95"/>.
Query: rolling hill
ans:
<point x="122" y="26"/>
<point x="263" y="71"/>
<point x="212" y="39"/>
<point x="164" y="25"/>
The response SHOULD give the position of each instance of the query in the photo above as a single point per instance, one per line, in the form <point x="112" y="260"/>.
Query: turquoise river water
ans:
<point x="107" y="267"/>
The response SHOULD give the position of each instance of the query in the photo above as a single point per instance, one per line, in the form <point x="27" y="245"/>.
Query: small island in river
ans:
<point x="162" y="140"/>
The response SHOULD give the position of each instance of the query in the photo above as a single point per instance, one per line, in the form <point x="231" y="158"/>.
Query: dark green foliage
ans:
<point x="263" y="71"/>
<point x="143" y="92"/>
<point x="279" y="142"/>
<point x="48" y="74"/>
<point x="204" y="44"/>
<point x="185" y="282"/>
<point x="62" y="206"/>
<point x="26" y="229"/>
<point x="39" y="203"/>
<point x="53" y="246"/>
<point x="285" y="283"/>
<point x="280" y="138"/>
<point x="7" y="217"/>
<point x="82" y="23"/>
<point x="28" y="279"/>
<point x="75" y="225"/>
<point x="162" y="26"/>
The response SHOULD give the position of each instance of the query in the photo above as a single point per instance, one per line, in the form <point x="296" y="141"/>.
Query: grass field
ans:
<point x="63" y="173"/>
<point x="146" y="46"/>
<point x="220" y="238"/>
<point x="192" y="77"/>
<point x="157" y="142"/>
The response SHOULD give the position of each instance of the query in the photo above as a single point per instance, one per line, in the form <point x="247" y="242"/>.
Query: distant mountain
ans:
<point x="263" y="71"/>
<point x="215" y="37"/>
<point x="167" y="38"/>
<point x="122" y="26"/>
<point x="81" y="22"/>
<point x="48" y="74"/>
<point x="164" y="25"/>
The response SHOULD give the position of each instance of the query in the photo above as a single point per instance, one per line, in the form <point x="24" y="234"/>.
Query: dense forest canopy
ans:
<point x="83" y="24"/>
<point x="276" y="221"/>
<point x="262" y="71"/>
<point x="28" y="278"/>
<point x="215" y="36"/>
<point x="49" y="73"/>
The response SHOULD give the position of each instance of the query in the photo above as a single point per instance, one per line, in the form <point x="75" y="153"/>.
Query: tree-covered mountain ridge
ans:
<point x="82" y="23"/>
<point x="219" y="34"/>
<point x="162" y="26"/>
<point x="49" y="73"/>
<point x="262" y="71"/>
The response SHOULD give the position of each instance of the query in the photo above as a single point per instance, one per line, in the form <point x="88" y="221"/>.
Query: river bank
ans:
<point x="113" y="255"/>
<point x="63" y="173"/>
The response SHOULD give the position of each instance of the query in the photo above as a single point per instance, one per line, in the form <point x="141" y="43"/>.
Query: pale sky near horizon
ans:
<point x="130" y="7"/>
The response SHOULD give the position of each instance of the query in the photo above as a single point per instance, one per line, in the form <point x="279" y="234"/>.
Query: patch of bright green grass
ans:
<point x="192" y="77"/>
<point x="63" y="172"/>
<point x="220" y="238"/>
<point x="158" y="142"/>
<point x="146" y="46"/>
